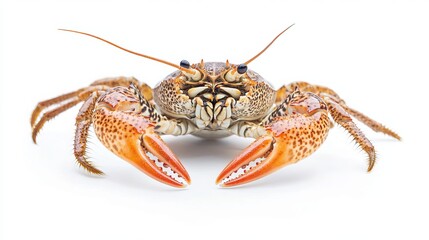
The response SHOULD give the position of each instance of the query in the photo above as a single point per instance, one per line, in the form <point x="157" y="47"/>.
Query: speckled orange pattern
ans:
<point x="124" y="120"/>
<point x="297" y="128"/>
<point x="213" y="99"/>
<point x="115" y="129"/>
<point x="341" y="113"/>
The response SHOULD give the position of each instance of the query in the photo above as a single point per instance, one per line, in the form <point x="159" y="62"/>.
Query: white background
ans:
<point x="374" y="53"/>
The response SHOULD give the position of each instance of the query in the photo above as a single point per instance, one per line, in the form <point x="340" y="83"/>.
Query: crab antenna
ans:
<point x="263" y="50"/>
<point x="190" y="71"/>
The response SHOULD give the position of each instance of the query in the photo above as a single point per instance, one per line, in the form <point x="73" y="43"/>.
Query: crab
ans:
<point x="209" y="100"/>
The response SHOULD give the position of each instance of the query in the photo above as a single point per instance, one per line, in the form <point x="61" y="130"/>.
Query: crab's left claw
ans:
<point x="289" y="138"/>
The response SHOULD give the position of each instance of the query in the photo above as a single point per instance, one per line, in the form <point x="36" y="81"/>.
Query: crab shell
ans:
<point x="216" y="101"/>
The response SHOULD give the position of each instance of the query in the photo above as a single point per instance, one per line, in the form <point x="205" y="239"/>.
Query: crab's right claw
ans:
<point x="289" y="139"/>
<point x="157" y="160"/>
<point x="134" y="140"/>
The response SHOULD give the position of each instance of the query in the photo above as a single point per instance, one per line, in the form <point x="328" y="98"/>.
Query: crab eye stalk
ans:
<point x="242" y="68"/>
<point x="192" y="74"/>
<point x="185" y="64"/>
<point x="234" y="75"/>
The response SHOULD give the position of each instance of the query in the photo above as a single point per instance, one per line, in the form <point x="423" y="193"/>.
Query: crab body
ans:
<point x="213" y="103"/>
<point x="211" y="100"/>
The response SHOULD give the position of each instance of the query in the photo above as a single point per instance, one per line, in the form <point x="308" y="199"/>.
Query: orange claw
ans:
<point x="153" y="144"/>
<point x="132" y="138"/>
<point x="289" y="139"/>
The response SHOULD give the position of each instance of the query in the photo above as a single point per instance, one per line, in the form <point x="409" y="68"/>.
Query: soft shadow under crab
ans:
<point x="211" y="100"/>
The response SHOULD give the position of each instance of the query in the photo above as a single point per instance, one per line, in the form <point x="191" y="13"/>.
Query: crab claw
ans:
<point x="288" y="139"/>
<point x="157" y="160"/>
<point x="132" y="137"/>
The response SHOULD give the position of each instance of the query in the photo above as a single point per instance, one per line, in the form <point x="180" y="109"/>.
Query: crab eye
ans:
<point x="185" y="64"/>
<point x="235" y="74"/>
<point x="242" y="68"/>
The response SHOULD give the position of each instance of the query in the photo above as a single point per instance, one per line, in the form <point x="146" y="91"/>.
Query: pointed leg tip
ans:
<point x="370" y="167"/>
<point x="395" y="136"/>
<point x="392" y="134"/>
<point x="34" y="134"/>
<point x="34" y="140"/>
<point x="98" y="173"/>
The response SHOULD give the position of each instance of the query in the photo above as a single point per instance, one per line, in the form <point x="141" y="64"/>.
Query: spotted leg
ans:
<point x="294" y="130"/>
<point x="110" y="82"/>
<point x="81" y="96"/>
<point x="341" y="117"/>
<point x="83" y="122"/>
<point x="57" y="100"/>
<point x="69" y="100"/>
<point x="374" y="125"/>
<point x="324" y="93"/>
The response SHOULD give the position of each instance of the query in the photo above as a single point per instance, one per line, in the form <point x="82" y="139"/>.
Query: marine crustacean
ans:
<point x="212" y="99"/>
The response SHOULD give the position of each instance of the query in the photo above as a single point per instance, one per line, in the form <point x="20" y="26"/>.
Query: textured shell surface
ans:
<point x="215" y="69"/>
<point x="213" y="103"/>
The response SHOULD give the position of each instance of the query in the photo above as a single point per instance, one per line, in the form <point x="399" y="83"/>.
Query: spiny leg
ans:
<point x="324" y="92"/>
<point x="51" y="114"/>
<point x="374" y="125"/>
<point x="111" y="82"/>
<point x="45" y="104"/>
<point x="71" y="99"/>
<point x="340" y="116"/>
<point x="83" y="122"/>
<point x="82" y="96"/>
